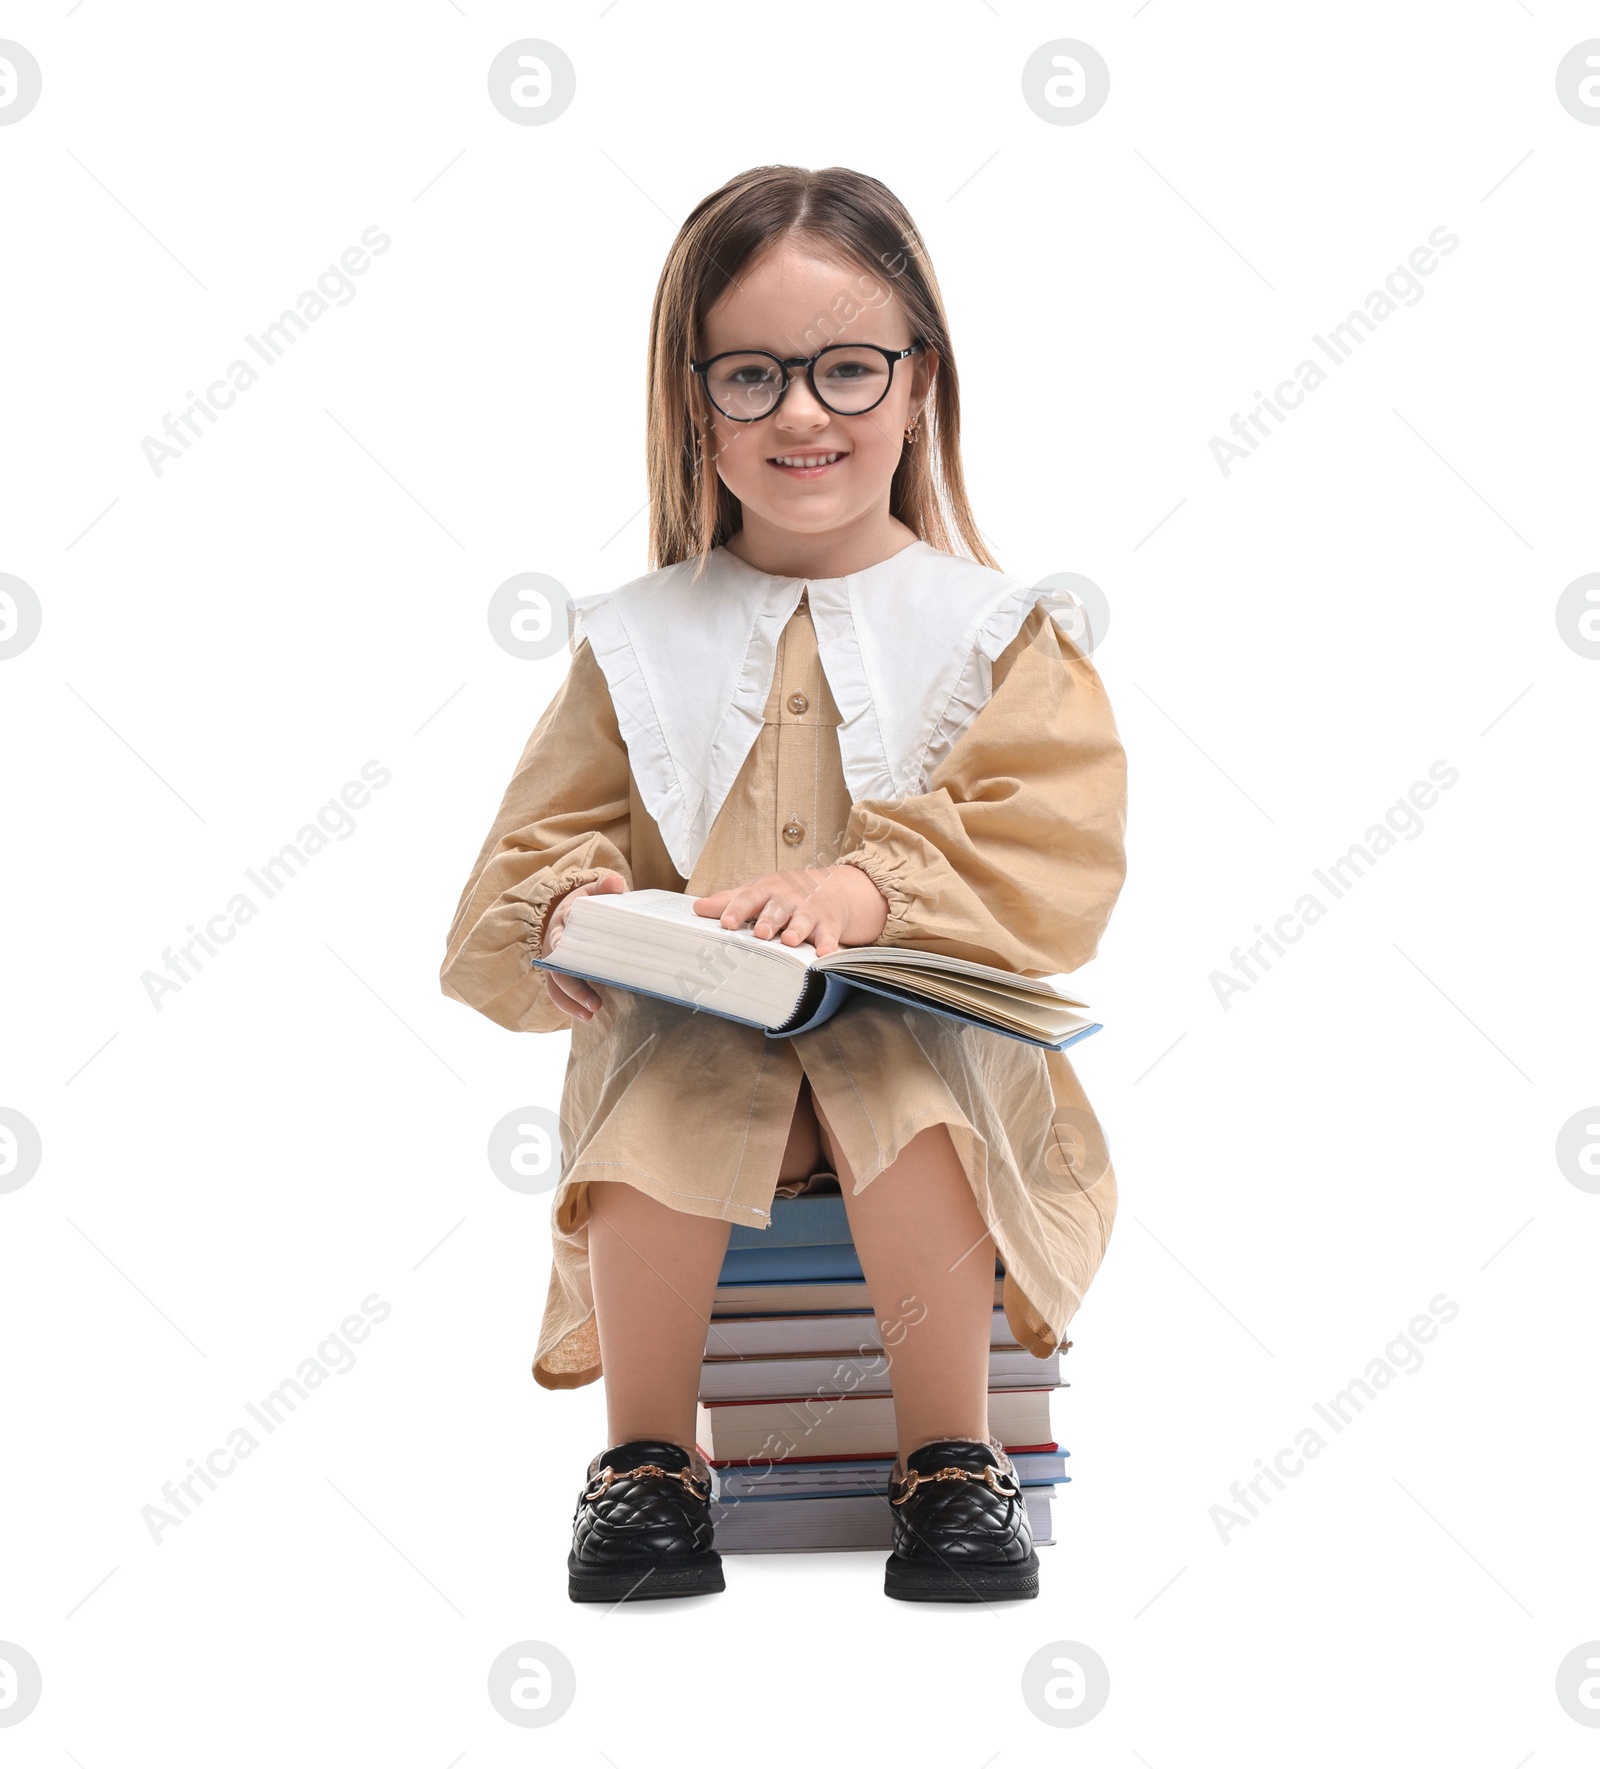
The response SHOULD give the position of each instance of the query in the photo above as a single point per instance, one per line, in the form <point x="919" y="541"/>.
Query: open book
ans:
<point x="653" y="943"/>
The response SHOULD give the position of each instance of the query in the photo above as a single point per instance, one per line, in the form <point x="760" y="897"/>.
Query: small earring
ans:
<point x="911" y="428"/>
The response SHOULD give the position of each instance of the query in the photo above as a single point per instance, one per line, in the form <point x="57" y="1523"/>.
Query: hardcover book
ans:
<point x="653" y="943"/>
<point x="834" y="1523"/>
<point x="847" y="1425"/>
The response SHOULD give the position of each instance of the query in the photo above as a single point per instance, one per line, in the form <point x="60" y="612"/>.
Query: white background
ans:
<point x="1291" y="646"/>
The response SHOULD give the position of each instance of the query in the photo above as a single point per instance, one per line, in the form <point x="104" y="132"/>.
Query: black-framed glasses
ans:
<point x="846" y="378"/>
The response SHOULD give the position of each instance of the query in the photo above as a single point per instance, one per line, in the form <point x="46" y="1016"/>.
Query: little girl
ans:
<point x="816" y="715"/>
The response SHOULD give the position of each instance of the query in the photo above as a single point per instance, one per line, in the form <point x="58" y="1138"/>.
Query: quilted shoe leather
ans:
<point x="641" y="1535"/>
<point x="962" y="1537"/>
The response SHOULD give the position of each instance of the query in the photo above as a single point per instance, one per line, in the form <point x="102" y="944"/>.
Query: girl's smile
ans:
<point x="807" y="463"/>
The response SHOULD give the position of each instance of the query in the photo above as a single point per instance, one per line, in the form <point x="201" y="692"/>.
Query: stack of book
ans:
<point x="795" y="1414"/>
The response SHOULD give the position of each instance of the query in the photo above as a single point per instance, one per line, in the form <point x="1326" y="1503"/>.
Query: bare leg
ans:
<point x="920" y="1237"/>
<point x="654" y="1271"/>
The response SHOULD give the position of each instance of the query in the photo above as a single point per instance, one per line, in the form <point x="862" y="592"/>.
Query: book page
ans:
<point x="867" y="959"/>
<point x="676" y="910"/>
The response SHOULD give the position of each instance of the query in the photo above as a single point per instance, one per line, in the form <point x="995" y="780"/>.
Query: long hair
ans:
<point x="859" y="223"/>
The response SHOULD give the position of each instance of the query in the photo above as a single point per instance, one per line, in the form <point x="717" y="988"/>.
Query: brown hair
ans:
<point x="856" y="221"/>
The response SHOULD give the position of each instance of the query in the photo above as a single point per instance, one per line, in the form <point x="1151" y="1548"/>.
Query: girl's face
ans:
<point x="793" y="304"/>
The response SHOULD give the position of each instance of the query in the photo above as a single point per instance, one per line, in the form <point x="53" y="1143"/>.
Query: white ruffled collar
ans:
<point x="907" y="646"/>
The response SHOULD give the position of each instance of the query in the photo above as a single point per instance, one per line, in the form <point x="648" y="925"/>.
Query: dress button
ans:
<point x="794" y="832"/>
<point x="798" y="703"/>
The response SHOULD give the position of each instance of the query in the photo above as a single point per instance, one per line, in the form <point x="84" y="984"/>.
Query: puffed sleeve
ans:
<point x="564" y="820"/>
<point x="1014" y="857"/>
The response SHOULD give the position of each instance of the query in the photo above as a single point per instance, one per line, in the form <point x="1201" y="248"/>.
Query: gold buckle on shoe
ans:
<point x="608" y="1474"/>
<point x="990" y="1478"/>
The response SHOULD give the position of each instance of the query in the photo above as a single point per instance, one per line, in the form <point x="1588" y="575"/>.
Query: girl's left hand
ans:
<point x="831" y="906"/>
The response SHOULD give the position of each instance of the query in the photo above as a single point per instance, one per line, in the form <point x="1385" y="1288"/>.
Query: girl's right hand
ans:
<point x="571" y="994"/>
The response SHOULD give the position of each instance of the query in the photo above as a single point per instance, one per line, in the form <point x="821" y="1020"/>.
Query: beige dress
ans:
<point x="1013" y="857"/>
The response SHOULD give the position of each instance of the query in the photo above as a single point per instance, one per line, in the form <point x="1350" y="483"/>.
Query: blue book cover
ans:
<point x="803" y="1478"/>
<point x="826" y="992"/>
<point x="819" y="1005"/>
<point x="817" y="1220"/>
<point x="794" y="1265"/>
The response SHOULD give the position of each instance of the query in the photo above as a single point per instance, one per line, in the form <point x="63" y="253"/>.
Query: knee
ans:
<point x="934" y="1140"/>
<point x="934" y="1150"/>
<point x="614" y="1205"/>
<point x="606" y="1198"/>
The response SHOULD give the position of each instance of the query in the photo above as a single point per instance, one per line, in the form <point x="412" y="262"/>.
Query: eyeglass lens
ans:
<point x="848" y="378"/>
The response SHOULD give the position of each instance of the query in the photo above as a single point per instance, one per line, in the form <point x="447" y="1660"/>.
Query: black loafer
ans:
<point x="642" y="1527"/>
<point x="961" y="1530"/>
